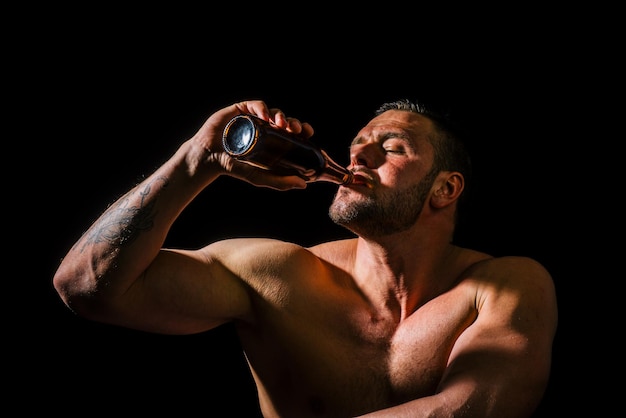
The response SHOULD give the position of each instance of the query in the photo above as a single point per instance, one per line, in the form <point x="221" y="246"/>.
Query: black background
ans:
<point x="102" y="109"/>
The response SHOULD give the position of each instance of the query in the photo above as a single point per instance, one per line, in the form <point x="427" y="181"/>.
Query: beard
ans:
<point x="378" y="215"/>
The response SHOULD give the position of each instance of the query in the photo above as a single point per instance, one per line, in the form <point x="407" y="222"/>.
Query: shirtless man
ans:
<point x="395" y="322"/>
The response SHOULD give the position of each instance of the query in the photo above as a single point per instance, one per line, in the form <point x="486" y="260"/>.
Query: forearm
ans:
<point x="119" y="246"/>
<point x="466" y="400"/>
<point x="428" y="407"/>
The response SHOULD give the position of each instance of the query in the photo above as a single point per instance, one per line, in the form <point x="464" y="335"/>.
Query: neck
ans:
<point x="406" y="269"/>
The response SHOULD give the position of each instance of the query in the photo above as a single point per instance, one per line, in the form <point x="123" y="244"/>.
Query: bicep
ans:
<point x="503" y="359"/>
<point x="185" y="292"/>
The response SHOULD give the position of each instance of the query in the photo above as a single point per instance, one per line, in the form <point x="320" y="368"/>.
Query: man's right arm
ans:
<point x="117" y="271"/>
<point x="104" y="275"/>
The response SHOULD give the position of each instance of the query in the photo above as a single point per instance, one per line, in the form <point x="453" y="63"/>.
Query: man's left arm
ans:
<point x="500" y="365"/>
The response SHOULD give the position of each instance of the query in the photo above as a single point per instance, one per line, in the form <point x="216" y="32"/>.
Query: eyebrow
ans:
<point x="387" y="135"/>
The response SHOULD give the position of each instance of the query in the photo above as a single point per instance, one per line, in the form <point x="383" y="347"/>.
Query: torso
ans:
<point x="318" y="346"/>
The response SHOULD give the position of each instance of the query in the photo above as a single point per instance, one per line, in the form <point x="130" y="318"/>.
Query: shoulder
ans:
<point x="338" y="252"/>
<point x="246" y="251"/>
<point x="264" y="259"/>
<point x="475" y="267"/>
<point x="514" y="270"/>
<point x="515" y="283"/>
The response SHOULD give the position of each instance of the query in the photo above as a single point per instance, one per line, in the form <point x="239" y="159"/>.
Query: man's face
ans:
<point x="392" y="159"/>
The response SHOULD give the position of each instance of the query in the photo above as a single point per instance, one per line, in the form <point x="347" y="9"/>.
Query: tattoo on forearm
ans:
<point x="121" y="224"/>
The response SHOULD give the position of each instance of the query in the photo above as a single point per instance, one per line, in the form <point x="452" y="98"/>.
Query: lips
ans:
<point x="360" y="178"/>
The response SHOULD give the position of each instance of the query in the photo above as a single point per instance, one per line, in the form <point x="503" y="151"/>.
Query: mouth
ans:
<point x="361" y="179"/>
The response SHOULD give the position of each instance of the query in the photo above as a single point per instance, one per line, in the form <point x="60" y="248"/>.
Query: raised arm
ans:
<point x="117" y="271"/>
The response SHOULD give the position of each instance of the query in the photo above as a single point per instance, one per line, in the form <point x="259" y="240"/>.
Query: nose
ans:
<point x="364" y="155"/>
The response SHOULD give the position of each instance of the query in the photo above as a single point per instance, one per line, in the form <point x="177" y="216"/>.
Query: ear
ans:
<point x="448" y="188"/>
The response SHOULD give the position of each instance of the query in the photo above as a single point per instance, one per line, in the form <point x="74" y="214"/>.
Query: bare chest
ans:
<point x="410" y="356"/>
<point x="340" y="355"/>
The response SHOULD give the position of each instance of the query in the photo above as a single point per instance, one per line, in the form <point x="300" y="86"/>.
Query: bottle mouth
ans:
<point x="239" y="136"/>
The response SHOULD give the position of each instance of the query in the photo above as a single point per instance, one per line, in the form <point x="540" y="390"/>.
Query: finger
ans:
<point x="255" y="107"/>
<point x="281" y="120"/>
<point x="307" y="130"/>
<point x="291" y="124"/>
<point x="294" y="125"/>
<point x="265" y="178"/>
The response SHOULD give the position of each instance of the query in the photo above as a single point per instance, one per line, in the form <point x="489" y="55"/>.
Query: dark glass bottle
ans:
<point x="257" y="142"/>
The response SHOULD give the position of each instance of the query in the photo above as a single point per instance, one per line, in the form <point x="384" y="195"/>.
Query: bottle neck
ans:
<point x="333" y="172"/>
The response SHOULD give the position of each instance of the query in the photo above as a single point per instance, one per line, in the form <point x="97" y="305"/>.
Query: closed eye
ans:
<point x="389" y="150"/>
<point x="396" y="145"/>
